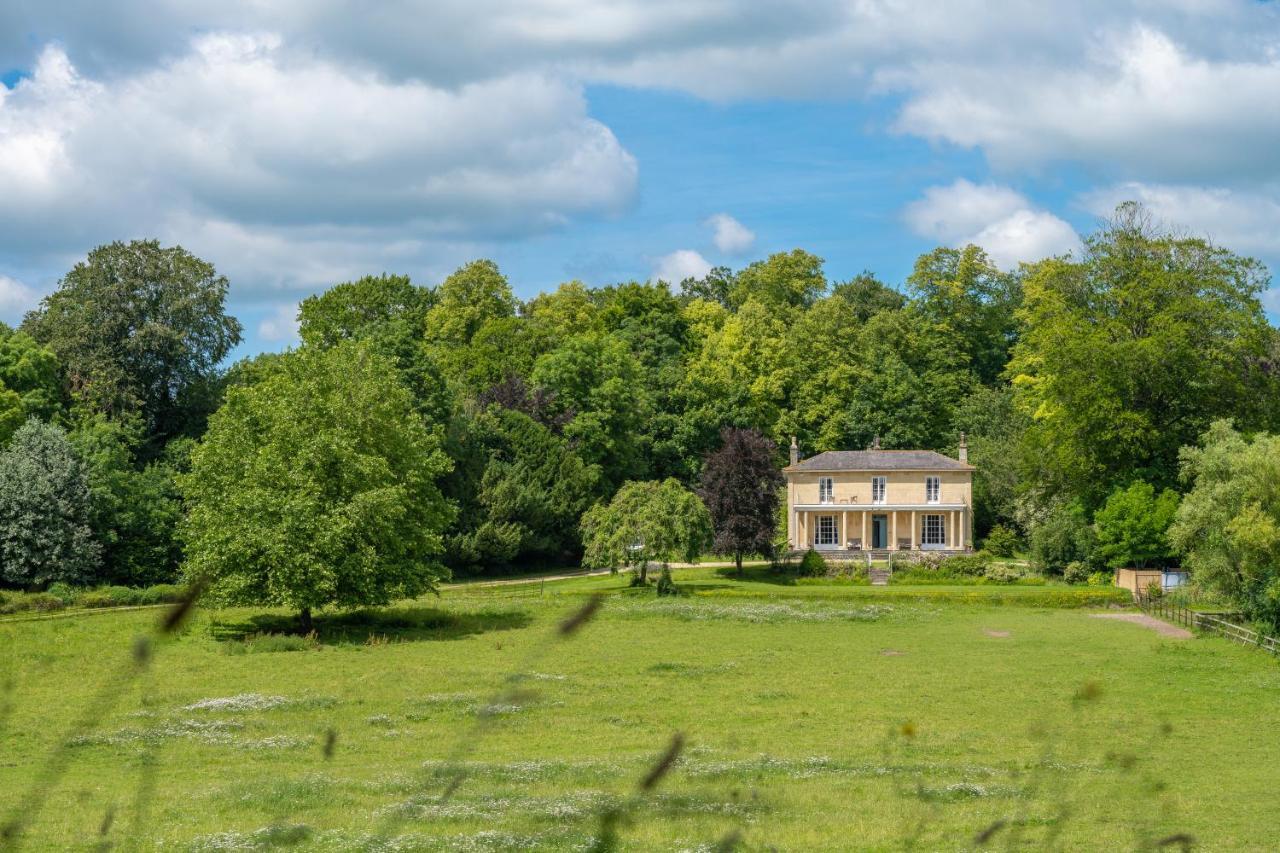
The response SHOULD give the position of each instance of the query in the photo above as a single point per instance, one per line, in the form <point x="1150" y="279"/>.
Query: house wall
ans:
<point x="901" y="487"/>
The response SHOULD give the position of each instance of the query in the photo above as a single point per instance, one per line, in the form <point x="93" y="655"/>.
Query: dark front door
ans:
<point x="879" y="531"/>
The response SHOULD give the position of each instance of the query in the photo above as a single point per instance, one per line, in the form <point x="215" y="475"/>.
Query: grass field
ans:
<point x="816" y="716"/>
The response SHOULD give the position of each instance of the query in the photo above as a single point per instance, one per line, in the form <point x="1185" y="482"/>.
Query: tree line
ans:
<point x="421" y="429"/>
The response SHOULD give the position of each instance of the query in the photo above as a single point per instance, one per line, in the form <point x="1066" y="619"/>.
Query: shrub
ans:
<point x="637" y="579"/>
<point x="1102" y="579"/>
<point x="812" y="565"/>
<point x="161" y="593"/>
<point x="1061" y="538"/>
<point x="20" y="602"/>
<point x="1155" y="590"/>
<point x="1001" y="573"/>
<point x="970" y="565"/>
<point x="1077" y="571"/>
<point x="123" y="596"/>
<point x="64" y="592"/>
<point x="667" y="586"/>
<point x="1001" y="542"/>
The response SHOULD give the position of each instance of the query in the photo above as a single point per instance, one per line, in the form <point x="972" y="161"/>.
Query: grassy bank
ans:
<point x="816" y="716"/>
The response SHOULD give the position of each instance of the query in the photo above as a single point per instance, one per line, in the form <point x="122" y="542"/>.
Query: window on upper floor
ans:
<point x="877" y="490"/>
<point x="932" y="489"/>
<point x="826" y="490"/>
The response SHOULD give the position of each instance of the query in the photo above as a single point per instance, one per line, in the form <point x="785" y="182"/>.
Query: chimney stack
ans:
<point x="875" y="443"/>
<point x="963" y="452"/>
<point x="795" y="451"/>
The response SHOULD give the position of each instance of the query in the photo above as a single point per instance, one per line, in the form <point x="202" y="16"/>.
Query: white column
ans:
<point x="893" y="531"/>
<point x="866" y="543"/>
<point x="844" y="528"/>
<point x="951" y="529"/>
<point x="913" y="530"/>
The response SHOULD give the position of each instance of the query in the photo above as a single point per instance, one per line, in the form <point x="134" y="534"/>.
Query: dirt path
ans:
<point x="1151" y="622"/>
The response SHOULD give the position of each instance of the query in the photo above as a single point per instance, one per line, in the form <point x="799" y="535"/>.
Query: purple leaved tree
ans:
<point x="739" y="485"/>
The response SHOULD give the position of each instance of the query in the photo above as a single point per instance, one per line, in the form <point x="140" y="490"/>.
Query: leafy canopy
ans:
<point x="1128" y="354"/>
<point x="140" y="328"/>
<point x="45" y="510"/>
<point x="1228" y="526"/>
<point x="1133" y="524"/>
<point x="30" y="382"/>
<point x="739" y="485"/>
<point x="316" y="486"/>
<point x="650" y="521"/>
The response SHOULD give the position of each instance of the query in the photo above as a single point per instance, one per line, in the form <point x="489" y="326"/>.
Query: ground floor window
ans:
<point x="934" y="531"/>
<point x="826" y="533"/>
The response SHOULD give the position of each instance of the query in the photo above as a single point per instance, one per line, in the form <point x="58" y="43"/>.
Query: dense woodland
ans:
<point x="463" y="427"/>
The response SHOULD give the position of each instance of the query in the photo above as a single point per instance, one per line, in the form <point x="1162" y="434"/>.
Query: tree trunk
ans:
<point x="737" y="558"/>
<point x="644" y="571"/>
<point x="304" y="620"/>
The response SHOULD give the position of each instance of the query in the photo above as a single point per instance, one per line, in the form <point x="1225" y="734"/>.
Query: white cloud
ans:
<point x="679" y="265"/>
<point x="731" y="236"/>
<point x="997" y="218"/>
<point x="308" y="141"/>
<point x="241" y="129"/>
<point x="1134" y="101"/>
<point x="281" y="325"/>
<point x="1245" y="221"/>
<point x="16" y="299"/>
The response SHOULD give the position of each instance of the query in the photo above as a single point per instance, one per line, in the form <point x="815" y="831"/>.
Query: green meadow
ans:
<point x="814" y="716"/>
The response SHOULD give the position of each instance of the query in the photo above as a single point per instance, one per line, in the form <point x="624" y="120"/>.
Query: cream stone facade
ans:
<point x="880" y="500"/>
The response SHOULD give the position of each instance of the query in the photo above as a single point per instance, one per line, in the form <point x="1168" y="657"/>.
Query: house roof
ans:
<point x="879" y="460"/>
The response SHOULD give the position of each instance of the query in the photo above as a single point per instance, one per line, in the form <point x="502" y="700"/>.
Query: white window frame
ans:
<point x="934" y="531"/>
<point x="825" y="532"/>
<point x="879" y="487"/>
<point x="826" y="490"/>
<point x="932" y="489"/>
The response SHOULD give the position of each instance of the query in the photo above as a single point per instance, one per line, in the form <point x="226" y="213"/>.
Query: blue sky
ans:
<point x="296" y="145"/>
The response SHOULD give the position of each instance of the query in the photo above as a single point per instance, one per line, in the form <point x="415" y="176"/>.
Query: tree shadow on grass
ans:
<point x="375" y="626"/>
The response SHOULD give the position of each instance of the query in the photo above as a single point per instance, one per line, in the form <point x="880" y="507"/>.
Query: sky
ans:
<point x="300" y="143"/>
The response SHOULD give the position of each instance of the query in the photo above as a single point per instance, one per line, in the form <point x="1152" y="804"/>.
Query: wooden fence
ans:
<point x="1214" y="623"/>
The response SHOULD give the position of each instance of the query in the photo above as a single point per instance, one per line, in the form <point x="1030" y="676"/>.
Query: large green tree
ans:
<point x="387" y="313"/>
<point x="45" y="510"/>
<point x="792" y="279"/>
<point x="1133" y="524"/>
<point x="964" y="291"/>
<point x="651" y="521"/>
<point x="527" y="499"/>
<point x="1228" y="526"/>
<point x="136" y="507"/>
<point x="140" y="328"/>
<point x="1129" y="353"/>
<point x="597" y="382"/>
<point x="317" y="485"/>
<point x="30" y="382"/>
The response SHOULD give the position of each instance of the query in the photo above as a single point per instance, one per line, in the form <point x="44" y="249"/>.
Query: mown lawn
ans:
<point x="815" y="717"/>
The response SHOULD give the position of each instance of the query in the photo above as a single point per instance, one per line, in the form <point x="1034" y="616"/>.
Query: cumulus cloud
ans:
<point x="281" y="325"/>
<point x="731" y="236"/>
<point x="1137" y="101"/>
<point x="1243" y="220"/>
<point x="997" y="218"/>
<point x="312" y="138"/>
<point x="16" y="298"/>
<point x="241" y="129"/>
<point x="679" y="265"/>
